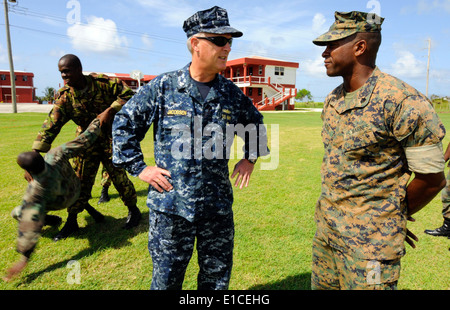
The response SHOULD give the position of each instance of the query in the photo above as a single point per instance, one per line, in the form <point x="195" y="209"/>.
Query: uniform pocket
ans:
<point x="361" y="143"/>
<point x="327" y="134"/>
<point x="175" y="120"/>
<point x="176" y="133"/>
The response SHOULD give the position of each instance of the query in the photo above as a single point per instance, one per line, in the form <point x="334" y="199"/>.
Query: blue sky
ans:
<point x="147" y="35"/>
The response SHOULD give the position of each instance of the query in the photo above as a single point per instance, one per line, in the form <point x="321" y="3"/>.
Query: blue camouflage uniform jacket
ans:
<point x="191" y="139"/>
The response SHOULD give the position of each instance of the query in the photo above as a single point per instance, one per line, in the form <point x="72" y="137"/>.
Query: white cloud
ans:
<point x="440" y="76"/>
<point x="407" y="65"/>
<point x="57" y="52"/>
<point x="171" y="13"/>
<point x="98" y="35"/>
<point x="147" y="41"/>
<point x="428" y="6"/>
<point x="286" y="35"/>
<point x="314" y="67"/>
<point x="4" y="58"/>
<point x="3" y="55"/>
<point x="318" y="25"/>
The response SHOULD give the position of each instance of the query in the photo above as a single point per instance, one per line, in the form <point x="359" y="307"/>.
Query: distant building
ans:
<point x="131" y="82"/>
<point x="25" y="90"/>
<point x="270" y="83"/>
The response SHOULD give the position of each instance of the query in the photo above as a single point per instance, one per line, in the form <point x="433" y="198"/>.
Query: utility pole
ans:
<point x="11" y="65"/>
<point x="428" y="65"/>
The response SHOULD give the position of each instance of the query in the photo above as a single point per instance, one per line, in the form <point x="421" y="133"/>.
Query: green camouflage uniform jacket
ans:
<point x="372" y="144"/>
<point x="82" y="107"/>
<point x="56" y="188"/>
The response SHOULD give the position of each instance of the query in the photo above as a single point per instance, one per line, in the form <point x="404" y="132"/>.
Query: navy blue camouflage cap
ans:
<point x="213" y="20"/>
<point x="349" y="23"/>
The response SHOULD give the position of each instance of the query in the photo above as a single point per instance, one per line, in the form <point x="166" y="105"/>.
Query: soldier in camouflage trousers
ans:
<point x="377" y="130"/>
<point x="444" y="230"/>
<point x="191" y="195"/>
<point x="53" y="185"/>
<point x="106" y="180"/>
<point x="81" y="99"/>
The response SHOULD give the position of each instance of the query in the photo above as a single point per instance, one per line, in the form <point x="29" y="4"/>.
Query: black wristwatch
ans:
<point x="253" y="161"/>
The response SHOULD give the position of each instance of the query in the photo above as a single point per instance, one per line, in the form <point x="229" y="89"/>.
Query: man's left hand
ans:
<point x="106" y="116"/>
<point x="410" y="237"/>
<point x="244" y="170"/>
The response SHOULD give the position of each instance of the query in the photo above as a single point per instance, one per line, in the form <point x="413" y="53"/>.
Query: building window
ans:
<point x="250" y="91"/>
<point x="3" y="77"/>
<point x="259" y="91"/>
<point x="260" y="71"/>
<point x="279" y="71"/>
<point x="24" y="78"/>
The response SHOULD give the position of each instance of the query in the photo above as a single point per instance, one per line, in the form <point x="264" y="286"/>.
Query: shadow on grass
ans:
<point x="115" y="195"/>
<point x="297" y="282"/>
<point x="108" y="234"/>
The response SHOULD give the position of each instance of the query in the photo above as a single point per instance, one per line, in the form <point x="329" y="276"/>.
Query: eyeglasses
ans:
<point x="219" y="41"/>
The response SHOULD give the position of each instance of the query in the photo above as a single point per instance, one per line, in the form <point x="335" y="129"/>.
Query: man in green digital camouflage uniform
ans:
<point x="53" y="185"/>
<point x="444" y="230"/>
<point x="81" y="99"/>
<point x="377" y="131"/>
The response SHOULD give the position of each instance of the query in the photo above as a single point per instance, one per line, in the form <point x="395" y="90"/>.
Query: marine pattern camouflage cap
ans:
<point x="213" y="20"/>
<point x="348" y="23"/>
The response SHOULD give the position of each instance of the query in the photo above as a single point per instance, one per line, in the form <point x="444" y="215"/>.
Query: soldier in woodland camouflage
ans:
<point x="81" y="100"/>
<point x="191" y="195"/>
<point x="105" y="182"/>
<point x="53" y="185"/>
<point x="377" y="131"/>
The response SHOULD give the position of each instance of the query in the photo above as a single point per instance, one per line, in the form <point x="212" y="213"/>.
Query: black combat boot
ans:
<point x="69" y="228"/>
<point x="98" y="217"/>
<point x="104" y="197"/>
<point x="134" y="216"/>
<point x="52" y="220"/>
<point x="444" y="230"/>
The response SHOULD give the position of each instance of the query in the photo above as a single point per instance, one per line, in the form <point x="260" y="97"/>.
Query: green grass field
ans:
<point x="273" y="218"/>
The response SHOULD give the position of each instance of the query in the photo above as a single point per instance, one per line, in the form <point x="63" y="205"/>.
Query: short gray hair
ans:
<point x="188" y="43"/>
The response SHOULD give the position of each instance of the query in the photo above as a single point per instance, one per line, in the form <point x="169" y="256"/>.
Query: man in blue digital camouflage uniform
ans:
<point x="192" y="111"/>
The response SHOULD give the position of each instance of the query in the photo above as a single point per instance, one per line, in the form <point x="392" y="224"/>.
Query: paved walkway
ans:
<point x="25" y="107"/>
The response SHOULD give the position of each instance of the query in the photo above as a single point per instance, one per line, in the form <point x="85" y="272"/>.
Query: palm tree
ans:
<point x="49" y="94"/>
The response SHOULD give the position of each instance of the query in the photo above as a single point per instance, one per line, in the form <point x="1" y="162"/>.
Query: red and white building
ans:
<point x="270" y="83"/>
<point x="131" y="82"/>
<point x="25" y="90"/>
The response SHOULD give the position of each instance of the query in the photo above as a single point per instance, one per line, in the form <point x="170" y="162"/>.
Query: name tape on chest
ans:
<point x="176" y="112"/>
